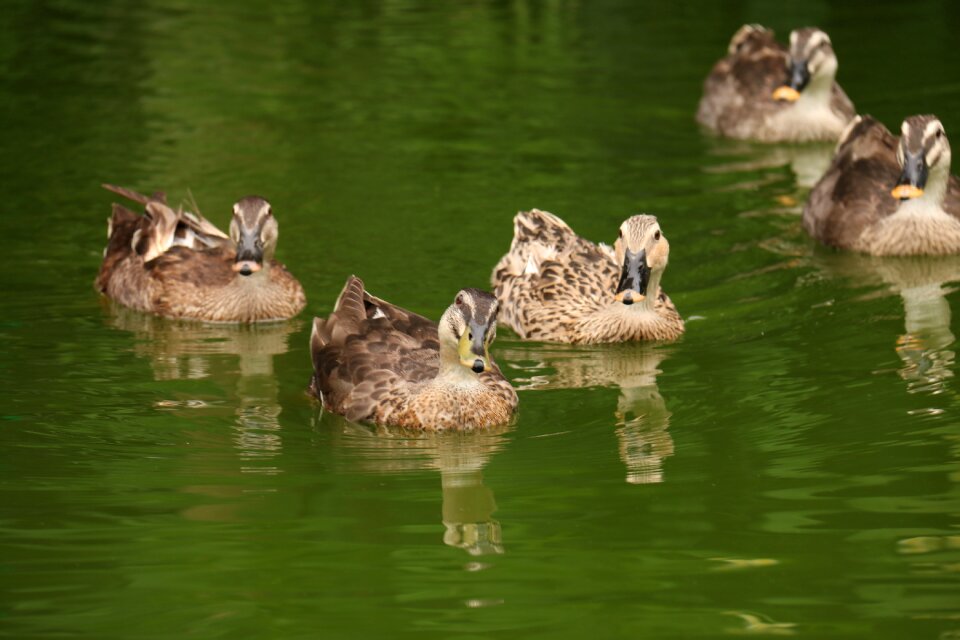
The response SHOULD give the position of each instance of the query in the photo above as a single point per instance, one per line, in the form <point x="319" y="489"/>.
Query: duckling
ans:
<point x="888" y="197"/>
<point x="761" y="91"/>
<point x="555" y="286"/>
<point x="179" y="265"/>
<point x="376" y="362"/>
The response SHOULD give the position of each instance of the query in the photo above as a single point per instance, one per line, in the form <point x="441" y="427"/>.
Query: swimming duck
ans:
<point x="761" y="91"/>
<point x="178" y="265"/>
<point x="888" y="197"/>
<point x="376" y="362"/>
<point x="556" y="286"/>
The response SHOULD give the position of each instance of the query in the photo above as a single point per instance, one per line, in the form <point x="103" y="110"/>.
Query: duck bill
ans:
<point x="249" y="256"/>
<point x="799" y="77"/>
<point x="473" y="350"/>
<point x="634" y="278"/>
<point x="913" y="178"/>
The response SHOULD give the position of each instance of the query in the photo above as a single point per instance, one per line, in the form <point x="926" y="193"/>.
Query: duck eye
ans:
<point x="470" y="335"/>
<point x="939" y="133"/>
<point x="656" y="236"/>
<point x="621" y="234"/>
<point x="459" y="300"/>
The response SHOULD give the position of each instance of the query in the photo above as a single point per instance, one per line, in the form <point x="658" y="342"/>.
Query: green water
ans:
<point x="791" y="466"/>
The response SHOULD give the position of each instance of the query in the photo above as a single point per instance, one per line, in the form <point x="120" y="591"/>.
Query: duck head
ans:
<point x="468" y="328"/>
<point x="924" y="157"/>
<point x="812" y="65"/>
<point x="253" y="230"/>
<point x="641" y="251"/>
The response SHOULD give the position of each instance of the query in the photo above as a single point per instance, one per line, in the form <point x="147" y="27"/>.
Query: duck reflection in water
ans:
<point x="641" y="415"/>
<point x="467" y="504"/>
<point x="808" y="162"/>
<point x="922" y="284"/>
<point x="187" y="350"/>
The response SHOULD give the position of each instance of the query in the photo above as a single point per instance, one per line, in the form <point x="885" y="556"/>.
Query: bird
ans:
<point x="177" y="264"/>
<point x="886" y="196"/>
<point x="765" y="92"/>
<point x="554" y="286"/>
<point x="378" y="363"/>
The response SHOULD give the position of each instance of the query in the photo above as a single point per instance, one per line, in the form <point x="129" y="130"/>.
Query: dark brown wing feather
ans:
<point x="365" y="348"/>
<point x="742" y="83"/>
<point x="855" y="191"/>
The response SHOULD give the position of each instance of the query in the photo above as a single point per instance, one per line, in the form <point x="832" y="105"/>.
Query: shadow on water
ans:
<point x="641" y="415"/>
<point x="468" y="504"/>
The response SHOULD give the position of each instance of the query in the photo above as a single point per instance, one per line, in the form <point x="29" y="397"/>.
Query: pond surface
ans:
<point x="790" y="467"/>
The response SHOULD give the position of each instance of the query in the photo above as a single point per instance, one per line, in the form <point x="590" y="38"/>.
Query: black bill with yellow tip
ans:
<point x="913" y="177"/>
<point x="634" y="278"/>
<point x="799" y="77"/>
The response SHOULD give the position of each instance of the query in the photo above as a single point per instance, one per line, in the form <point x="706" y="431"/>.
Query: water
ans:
<point x="790" y="467"/>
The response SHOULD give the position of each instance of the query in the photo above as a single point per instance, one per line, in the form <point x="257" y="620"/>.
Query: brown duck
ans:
<point x="886" y="196"/>
<point x="177" y="264"/>
<point x="763" y="91"/>
<point x="555" y="286"/>
<point x="376" y="362"/>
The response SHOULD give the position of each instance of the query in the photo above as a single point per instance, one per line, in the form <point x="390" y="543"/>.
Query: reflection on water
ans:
<point x="808" y="162"/>
<point x="921" y="283"/>
<point x="642" y="417"/>
<point x="467" y="504"/>
<point x="237" y="357"/>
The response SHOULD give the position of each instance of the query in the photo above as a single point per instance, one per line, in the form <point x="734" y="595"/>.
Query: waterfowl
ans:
<point x="762" y="91"/>
<point x="179" y="265"/>
<point x="376" y="362"/>
<point x="888" y="197"/>
<point x="555" y="286"/>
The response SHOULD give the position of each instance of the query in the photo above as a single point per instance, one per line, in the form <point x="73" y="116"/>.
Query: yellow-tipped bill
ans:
<point x="246" y="267"/>
<point x="634" y="296"/>
<point x="906" y="192"/>
<point x="467" y="349"/>
<point x="786" y="93"/>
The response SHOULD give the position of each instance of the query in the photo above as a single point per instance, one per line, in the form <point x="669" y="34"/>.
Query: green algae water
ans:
<point x="791" y="466"/>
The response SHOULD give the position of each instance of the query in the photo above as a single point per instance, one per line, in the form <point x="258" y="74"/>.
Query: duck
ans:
<point x="762" y="91"/>
<point x="177" y="264"/>
<point x="554" y="286"/>
<point x="886" y="196"/>
<point x="375" y="362"/>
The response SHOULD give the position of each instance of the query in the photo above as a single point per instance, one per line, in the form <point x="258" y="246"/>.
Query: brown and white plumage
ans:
<point x="558" y="287"/>
<point x="887" y="196"/>
<point x="377" y="362"/>
<point x="177" y="264"/>
<point x="762" y="91"/>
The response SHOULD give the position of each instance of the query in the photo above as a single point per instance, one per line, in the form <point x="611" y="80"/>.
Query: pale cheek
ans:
<point x="658" y="256"/>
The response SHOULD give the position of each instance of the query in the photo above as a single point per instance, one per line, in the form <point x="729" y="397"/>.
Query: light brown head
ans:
<point x="469" y="326"/>
<point x="924" y="155"/>
<point x="642" y="252"/>
<point x="253" y="230"/>
<point x="812" y="65"/>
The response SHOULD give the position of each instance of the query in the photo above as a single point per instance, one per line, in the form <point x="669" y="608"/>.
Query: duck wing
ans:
<point x="162" y="227"/>
<point x="742" y="83"/>
<point x="855" y="191"/>
<point x="367" y="352"/>
<point x="550" y="273"/>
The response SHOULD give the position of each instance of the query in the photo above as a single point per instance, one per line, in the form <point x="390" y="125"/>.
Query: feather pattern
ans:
<point x="555" y="286"/>
<point x="851" y="207"/>
<point x="376" y="362"/>
<point x="738" y="93"/>
<point x="178" y="264"/>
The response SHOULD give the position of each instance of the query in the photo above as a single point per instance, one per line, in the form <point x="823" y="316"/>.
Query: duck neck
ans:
<point x="818" y="92"/>
<point x="936" y="187"/>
